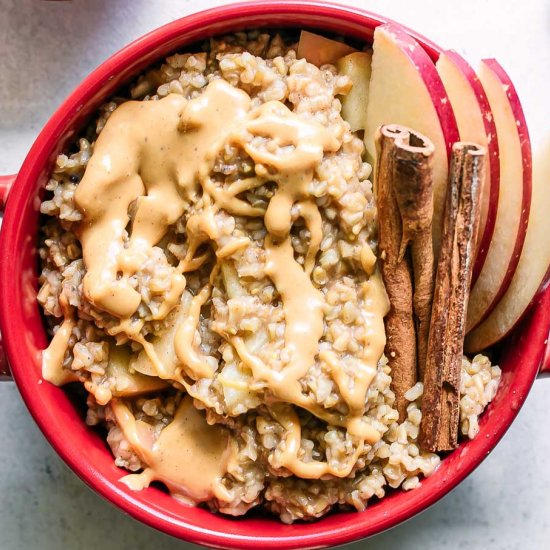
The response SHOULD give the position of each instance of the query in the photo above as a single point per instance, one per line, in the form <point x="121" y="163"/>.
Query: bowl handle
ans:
<point x="5" y="184"/>
<point x="544" y="302"/>
<point x="545" y="367"/>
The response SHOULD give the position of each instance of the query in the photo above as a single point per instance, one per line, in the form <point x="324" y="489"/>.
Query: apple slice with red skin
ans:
<point x="406" y="89"/>
<point x="533" y="270"/>
<point x="475" y="124"/>
<point x="514" y="195"/>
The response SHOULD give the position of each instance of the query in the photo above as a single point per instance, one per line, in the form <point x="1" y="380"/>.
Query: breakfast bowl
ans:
<point x="522" y="356"/>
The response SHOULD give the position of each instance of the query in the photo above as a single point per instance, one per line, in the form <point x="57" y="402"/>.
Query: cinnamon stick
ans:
<point x="395" y="266"/>
<point x="413" y="187"/>
<point x="440" y="402"/>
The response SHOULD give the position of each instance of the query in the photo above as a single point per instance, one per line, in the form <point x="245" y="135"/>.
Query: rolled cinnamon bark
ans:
<point x="440" y="402"/>
<point x="414" y="193"/>
<point x="405" y="206"/>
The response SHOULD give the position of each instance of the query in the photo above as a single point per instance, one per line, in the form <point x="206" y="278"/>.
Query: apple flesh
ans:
<point x="514" y="195"/>
<point x="319" y="50"/>
<point x="533" y="269"/>
<point x="356" y="66"/>
<point x="129" y="383"/>
<point x="163" y="344"/>
<point x="476" y="123"/>
<point x="406" y="89"/>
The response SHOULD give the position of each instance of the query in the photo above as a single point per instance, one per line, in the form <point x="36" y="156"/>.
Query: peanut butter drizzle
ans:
<point x="314" y="469"/>
<point x="191" y="361"/>
<point x="155" y="152"/>
<point x="189" y="456"/>
<point x="193" y="364"/>
<point x="54" y="354"/>
<point x="303" y="307"/>
<point x="161" y="153"/>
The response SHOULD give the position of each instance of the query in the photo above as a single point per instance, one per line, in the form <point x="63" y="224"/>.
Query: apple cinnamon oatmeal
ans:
<point x="209" y="272"/>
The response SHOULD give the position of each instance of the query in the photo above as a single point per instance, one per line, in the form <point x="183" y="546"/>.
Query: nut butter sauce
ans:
<point x="160" y="154"/>
<point x="189" y="456"/>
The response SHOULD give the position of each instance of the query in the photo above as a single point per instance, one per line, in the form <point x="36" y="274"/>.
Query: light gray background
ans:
<point x="45" y="49"/>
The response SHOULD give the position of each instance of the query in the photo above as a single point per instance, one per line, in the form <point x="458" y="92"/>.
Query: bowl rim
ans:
<point x="328" y="531"/>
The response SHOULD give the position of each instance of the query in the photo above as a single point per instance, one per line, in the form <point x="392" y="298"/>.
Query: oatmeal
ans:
<point x="209" y="268"/>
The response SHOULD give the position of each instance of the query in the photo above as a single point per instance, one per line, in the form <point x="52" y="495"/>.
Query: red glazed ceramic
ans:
<point x="61" y="420"/>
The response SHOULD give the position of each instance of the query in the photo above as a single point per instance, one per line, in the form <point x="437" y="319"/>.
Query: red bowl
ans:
<point x="61" y="420"/>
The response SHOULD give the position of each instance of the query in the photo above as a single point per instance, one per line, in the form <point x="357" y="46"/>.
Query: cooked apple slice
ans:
<point x="514" y="195"/>
<point x="533" y="270"/>
<point x="120" y="380"/>
<point x="356" y="66"/>
<point x="406" y="89"/>
<point x="476" y="124"/>
<point x="129" y="383"/>
<point x="319" y="50"/>
<point x="163" y="344"/>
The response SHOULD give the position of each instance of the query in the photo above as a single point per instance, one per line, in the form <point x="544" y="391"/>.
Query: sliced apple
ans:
<point x="533" y="269"/>
<point x="127" y="383"/>
<point x="514" y="195"/>
<point x="319" y="50"/>
<point x="476" y="124"/>
<point x="406" y="89"/>
<point x="357" y="67"/>
<point x="120" y="380"/>
<point x="163" y="344"/>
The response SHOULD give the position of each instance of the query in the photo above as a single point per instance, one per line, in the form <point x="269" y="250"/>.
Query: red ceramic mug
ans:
<point x="60" y="418"/>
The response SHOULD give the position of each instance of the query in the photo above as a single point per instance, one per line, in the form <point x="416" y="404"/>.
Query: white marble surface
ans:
<point x="45" y="49"/>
